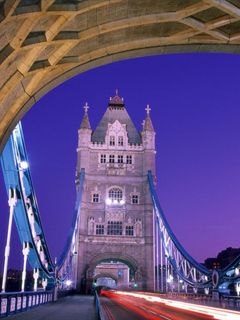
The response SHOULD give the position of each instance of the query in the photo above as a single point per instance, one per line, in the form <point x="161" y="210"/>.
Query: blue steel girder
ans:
<point x="69" y="255"/>
<point x="187" y="268"/>
<point x="26" y="212"/>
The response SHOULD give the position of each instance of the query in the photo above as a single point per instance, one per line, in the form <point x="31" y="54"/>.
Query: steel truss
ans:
<point x="23" y="203"/>
<point x="178" y="263"/>
<point x="24" y="208"/>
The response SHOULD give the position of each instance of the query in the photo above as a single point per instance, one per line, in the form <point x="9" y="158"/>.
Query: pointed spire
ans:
<point x="148" y="126"/>
<point x="85" y="121"/>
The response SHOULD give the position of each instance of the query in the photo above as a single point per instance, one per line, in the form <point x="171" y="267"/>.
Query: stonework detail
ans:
<point x="116" y="213"/>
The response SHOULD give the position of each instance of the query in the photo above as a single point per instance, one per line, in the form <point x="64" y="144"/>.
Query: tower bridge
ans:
<point x="119" y="237"/>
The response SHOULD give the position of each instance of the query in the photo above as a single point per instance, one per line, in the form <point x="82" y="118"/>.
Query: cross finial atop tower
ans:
<point x="86" y="107"/>
<point x="148" y="109"/>
<point x="116" y="92"/>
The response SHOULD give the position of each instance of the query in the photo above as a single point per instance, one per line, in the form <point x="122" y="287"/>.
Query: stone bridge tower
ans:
<point x="116" y="220"/>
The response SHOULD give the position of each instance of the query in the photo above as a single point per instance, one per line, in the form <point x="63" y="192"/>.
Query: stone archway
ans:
<point x="47" y="42"/>
<point x="135" y="269"/>
<point x="107" y="275"/>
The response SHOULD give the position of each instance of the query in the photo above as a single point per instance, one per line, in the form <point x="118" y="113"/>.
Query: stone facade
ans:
<point x="116" y="221"/>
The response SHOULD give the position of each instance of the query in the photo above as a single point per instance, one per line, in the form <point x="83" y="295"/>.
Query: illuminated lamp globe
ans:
<point x="108" y="201"/>
<point x="68" y="283"/>
<point x="23" y="165"/>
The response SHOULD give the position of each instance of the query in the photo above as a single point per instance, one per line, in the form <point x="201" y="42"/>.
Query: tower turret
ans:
<point x="84" y="140"/>
<point x="85" y="127"/>
<point x="148" y="139"/>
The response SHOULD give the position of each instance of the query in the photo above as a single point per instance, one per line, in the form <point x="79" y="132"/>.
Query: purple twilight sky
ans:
<point x="195" y="101"/>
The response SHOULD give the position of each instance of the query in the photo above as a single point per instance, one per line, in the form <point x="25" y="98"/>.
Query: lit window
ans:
<point x="135" y="199"/>
<point x="115" y="194"/>
<point x="103" y="158"/>
<point x="129" y="230"/>
<point x="129" y="159"/>
<point x="114" y="228"/>
<point x="120" y="159"/>
<point x="120" y="141"/>
<point x="95" y="198"/>
<point x="112" y="141"/>
<point x="111" y="158"/>
<point x="100" y="229"/>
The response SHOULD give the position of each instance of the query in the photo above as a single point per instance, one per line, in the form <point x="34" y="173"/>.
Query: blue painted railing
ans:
<point x="15" y="302"/>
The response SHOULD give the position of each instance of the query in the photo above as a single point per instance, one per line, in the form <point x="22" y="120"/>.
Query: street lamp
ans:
<point x="23" y="165"/>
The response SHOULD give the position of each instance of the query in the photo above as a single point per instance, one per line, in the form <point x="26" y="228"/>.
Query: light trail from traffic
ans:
<point x="215" y="313"/>
<point x="123" y="307"/>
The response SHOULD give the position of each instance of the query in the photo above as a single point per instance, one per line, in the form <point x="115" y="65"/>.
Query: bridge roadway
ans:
<point x="69" y="308"/>
<point x="124" y="306"/>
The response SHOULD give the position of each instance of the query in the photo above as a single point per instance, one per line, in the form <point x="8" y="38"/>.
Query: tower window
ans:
<point x="129" y="159"/>
<point x="111" y="158"/>
<point x="129" y="230"/>
<point x="115" y="194"/>
<point x="120" y="141"/>
<point x="120" y="159"/>
<point x="135" y="199"/>
<point x="112" y="141"/>
<point x="99" y="229"/>
<point x="114" y="228"/>
<point x="103" y="158"/>
<point x="96" y="198"/>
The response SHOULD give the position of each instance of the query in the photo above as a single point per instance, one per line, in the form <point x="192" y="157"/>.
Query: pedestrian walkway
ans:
<point x="76" y="307"/>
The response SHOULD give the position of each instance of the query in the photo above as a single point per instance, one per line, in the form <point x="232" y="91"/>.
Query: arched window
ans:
<point x="120" y="140"/>
<point x="112" y="141"/>
<point x="115" y="195"/>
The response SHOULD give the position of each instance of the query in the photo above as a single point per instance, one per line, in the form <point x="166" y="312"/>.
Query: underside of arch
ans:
<point x="45" y="42"/>
<point x="109" y="256"/>
<point x="105" y="275"/>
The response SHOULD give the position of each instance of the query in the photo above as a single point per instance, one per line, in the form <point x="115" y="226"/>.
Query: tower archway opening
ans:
<point x="114" y="274"/>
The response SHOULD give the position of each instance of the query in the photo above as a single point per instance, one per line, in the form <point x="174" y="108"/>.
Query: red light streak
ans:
<point x="151" y="301"/>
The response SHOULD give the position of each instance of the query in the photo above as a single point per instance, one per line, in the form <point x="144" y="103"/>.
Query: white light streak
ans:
<point x="216" y="313"/>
